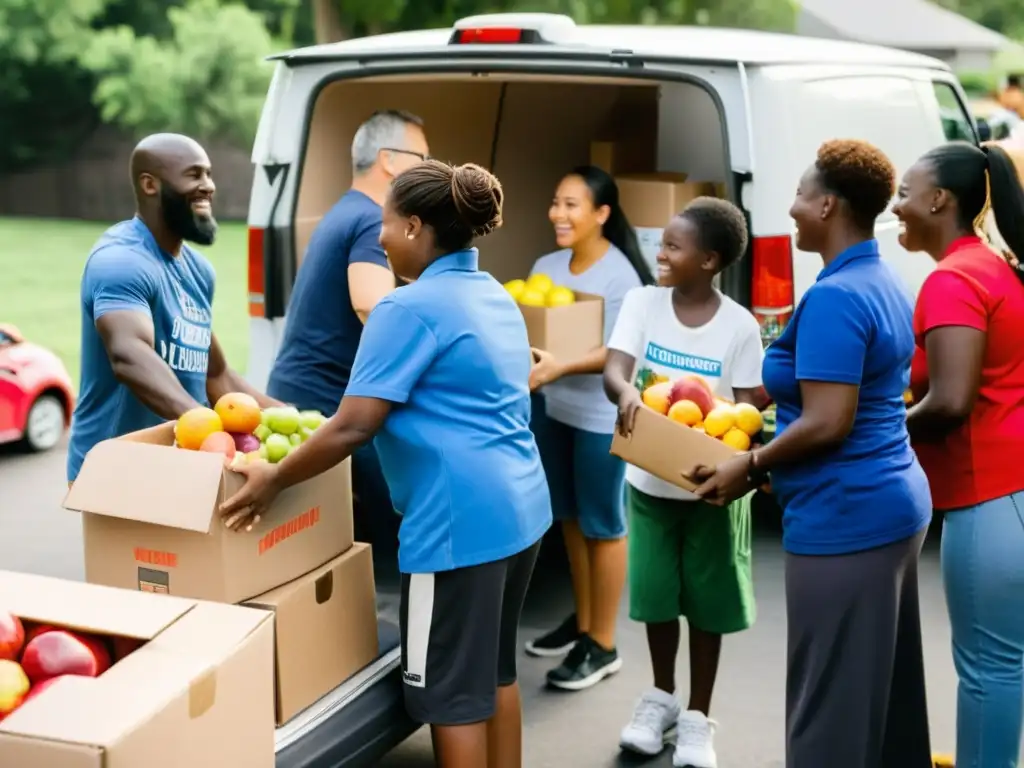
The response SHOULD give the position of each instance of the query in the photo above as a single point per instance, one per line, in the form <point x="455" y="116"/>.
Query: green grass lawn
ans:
<point x="41" y="264"/>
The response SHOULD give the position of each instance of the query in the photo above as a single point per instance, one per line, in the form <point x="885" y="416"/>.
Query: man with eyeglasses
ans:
<point x="342" y="277"/>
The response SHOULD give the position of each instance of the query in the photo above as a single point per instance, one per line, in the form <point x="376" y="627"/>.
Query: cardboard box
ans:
<point x="199" y="692"/>
<point x="568" y="332"/>
<point x="150" y="522"/>
<point x="652" y="199"/>
<point x="627" y="155"/>
<point x="666" y="448"/>
<point x="325" y="629"/>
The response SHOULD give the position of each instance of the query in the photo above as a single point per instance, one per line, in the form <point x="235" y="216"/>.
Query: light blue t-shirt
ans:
<point x="127" y="270"/>
<point x="580" y="401"/>
<point x="450" y="351"/>
<point x="853" y="326"/>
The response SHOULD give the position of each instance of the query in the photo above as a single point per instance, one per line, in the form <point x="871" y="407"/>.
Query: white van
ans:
<point x="526" y="94"/>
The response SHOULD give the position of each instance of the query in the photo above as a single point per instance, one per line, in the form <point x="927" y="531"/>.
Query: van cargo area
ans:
<point x="529" y="130"/>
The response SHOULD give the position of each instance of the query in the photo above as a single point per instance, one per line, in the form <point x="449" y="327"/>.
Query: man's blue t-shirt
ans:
<point x="127" y="270"/>
<point x="853" y="326"/>
<point x="322" y="330"/>
<point x="450" y="351"/>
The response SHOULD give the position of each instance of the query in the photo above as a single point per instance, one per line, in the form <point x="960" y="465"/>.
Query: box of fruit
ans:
<point x="150" y="502"/>
<point x="94" y="676"/>
<point x="566" y="323"/>
<point x="683" y="424"/>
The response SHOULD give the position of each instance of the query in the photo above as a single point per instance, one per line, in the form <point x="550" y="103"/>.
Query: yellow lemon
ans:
<point x="720" y="420"/>
<point x="560" y="296"/>
<point x="737" y="438"/>
<point x="748" y="418"/>
<point x="515" y="288"/>
<point x="685" y="412"/>
<point x="540" y="282"/>
<point x="531" y="297"/>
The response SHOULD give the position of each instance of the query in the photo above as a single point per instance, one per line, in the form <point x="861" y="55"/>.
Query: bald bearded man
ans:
<point x="148" y="348"/>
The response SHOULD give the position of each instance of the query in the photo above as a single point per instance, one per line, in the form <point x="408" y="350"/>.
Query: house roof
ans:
<point x="913" y="24"/>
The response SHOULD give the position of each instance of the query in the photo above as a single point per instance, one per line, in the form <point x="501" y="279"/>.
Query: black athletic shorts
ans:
<point x="459" y="631"/>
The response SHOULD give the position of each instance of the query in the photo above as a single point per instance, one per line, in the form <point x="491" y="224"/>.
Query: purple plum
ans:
<point x="245" y="442"/>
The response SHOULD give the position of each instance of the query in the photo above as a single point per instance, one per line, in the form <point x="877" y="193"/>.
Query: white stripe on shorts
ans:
<point x="420" y="614"/>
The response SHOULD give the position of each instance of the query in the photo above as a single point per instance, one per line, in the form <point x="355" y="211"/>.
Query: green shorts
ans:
<point x="692" y="559"/>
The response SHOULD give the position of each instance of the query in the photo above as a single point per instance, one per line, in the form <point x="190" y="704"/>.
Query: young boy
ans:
<point x="686" y="557"/>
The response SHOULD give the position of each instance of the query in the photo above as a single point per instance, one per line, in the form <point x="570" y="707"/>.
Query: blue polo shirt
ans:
<point x="853" y="326"/>
<point x="450" y="352"/>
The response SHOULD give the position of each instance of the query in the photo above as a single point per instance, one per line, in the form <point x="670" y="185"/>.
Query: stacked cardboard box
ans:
<point x="150" y="523"/>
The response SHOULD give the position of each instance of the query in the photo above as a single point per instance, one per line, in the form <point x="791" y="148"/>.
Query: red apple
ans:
<point x="694" y="389"/>
<point x="33" y="631"/>
<point x="14" y="686"/>
<point x="60" y="652"/>
<point x="12" y="636"/>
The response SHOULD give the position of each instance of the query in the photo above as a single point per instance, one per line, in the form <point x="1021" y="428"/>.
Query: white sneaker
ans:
<point x="695" y="741"/>
<point x="654" y="719"/>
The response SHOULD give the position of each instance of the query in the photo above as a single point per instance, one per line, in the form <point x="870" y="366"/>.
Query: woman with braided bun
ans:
<point x="441" y="381"/>
<point x="967" y="426"/>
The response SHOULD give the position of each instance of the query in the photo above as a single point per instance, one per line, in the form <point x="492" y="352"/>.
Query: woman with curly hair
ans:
<point x="967" y="426"/>
<point x="441" y="379"/>
<point x="856" y="502"/>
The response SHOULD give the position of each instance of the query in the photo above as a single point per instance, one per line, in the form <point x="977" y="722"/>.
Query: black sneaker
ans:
<point x="587" y="664"/>
<point x="557" y="642"/>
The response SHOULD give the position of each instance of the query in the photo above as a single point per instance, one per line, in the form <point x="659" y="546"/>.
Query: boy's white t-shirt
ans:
<point x="726" y="351"/>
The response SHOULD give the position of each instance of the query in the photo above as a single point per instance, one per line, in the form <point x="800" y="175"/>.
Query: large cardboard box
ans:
<point x="568" y="332"/>
<point x="652" y="199"/>
<point x="630" y="155"/>
<point x="667" y="449"/>
<point x="151" y="522"/>
<point x="199" y="692"/>
<point x="325" y="629"/>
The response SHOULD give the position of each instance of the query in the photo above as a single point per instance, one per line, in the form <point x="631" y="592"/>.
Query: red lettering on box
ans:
<point x="155" y="557"/>
<point x="289" y="528"/>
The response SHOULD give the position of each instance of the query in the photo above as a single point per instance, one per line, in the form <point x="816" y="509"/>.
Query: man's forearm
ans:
<point x="154" y="385"/>
<point x="230" y="381"/>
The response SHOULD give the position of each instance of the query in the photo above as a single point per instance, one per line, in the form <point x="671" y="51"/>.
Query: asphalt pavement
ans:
<point x="562" y="730"/>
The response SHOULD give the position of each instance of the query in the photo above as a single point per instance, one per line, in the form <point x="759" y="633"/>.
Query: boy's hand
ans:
<point x="629" y="402"/>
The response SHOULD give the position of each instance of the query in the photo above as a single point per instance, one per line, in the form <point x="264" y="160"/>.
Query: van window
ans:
<point x="956" y="125"/>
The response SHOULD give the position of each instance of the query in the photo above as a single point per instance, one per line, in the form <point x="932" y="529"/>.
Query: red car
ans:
<point x="36" y="395"/>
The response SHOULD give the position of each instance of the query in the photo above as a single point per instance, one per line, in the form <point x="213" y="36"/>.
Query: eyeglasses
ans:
<point x="420" y="155"/>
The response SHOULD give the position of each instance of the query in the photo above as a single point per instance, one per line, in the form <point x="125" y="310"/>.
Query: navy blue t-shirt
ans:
<point x="322" y="331"/>
<point x="853" y="326"/>
<point x="128" y="271"/>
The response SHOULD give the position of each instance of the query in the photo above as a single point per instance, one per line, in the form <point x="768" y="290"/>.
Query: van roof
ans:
<point x="670" y="43"/>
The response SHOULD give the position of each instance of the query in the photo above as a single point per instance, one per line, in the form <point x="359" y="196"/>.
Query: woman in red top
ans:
<point x="967" y="426"/>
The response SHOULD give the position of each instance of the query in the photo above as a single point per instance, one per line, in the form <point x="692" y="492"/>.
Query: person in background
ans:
<point x="343" y="276"/>
<point x="574" y="423"/>
<point x="149" y="353"/>
<point x="441" y="379"/>
<point x="856" y="503"/>
<point x="686" y="557"/>
<point x="967" y="426"/>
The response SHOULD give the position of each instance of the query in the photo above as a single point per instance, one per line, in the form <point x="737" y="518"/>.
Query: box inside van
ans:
<point x="529" y="130"/>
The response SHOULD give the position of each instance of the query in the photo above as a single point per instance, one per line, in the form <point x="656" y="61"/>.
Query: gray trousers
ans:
<point x="855" y="685"/>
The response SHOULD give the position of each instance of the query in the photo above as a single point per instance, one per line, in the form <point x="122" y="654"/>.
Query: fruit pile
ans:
<point x="690" y="401"/>
<point x="34" y="656"/>
<point x="538" y="290"/>
<point x="238" y="428"/>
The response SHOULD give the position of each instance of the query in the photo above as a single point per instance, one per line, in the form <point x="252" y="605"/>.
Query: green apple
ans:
<point x="262" y="432"/>
<point x="311" y="419"/>
<point x="265" y="416"/>
<point x="284" y="421"/>
<point x="278" y="446"/>
<point x="263" y="453"/>
<point x="305" y="433"/>
<point x="295" y="439"/>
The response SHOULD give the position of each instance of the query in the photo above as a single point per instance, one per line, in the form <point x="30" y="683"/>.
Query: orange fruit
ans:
<point x="737" y="439"/>
<point x="656" y="397"/>
<point x="721" y="419"/>
<point x="195" y="426"/>
<point x="239" y="412"/>
<point x="685" y="412"/>
<point x="748" y="418"/>
<point x="220" y="442"/>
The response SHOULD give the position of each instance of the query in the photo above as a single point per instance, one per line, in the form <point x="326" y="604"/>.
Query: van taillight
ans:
<point x="257" y="303"/>
<point x="489" y="35"/>
<point x="772" y="289"/>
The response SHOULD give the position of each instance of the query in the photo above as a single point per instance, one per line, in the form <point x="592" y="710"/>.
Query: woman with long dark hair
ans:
<point x="967" y="426"/>
<point x="574" y="423"/>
